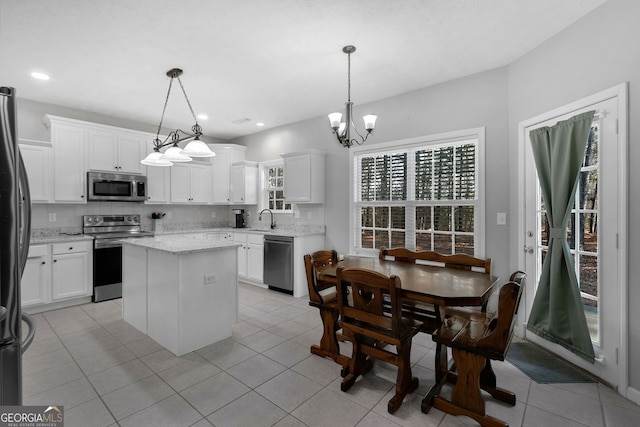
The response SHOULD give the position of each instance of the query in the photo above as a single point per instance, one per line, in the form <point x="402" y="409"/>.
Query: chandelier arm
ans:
<point x="166" y="101"/>
<point x="195" y="119"/>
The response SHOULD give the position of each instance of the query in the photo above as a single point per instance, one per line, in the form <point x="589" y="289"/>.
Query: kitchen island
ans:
<point x="181" y="291"/>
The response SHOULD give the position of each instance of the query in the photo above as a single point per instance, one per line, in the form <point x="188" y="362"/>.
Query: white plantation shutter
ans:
<point x="423" y="195"/>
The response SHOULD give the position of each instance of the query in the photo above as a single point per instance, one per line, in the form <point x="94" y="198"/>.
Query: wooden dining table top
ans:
<point x="431" y="284"/>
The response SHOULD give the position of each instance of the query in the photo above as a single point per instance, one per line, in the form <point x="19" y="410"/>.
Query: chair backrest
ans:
<point x="361" y="298"/>
<point x="501" y="328"/>
<point x="459" y="261"/>
<point x="311" y="262"/>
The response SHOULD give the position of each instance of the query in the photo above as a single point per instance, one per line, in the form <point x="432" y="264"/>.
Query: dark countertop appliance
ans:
<point x="239" y="218"/>
<point x="107" y="231"/>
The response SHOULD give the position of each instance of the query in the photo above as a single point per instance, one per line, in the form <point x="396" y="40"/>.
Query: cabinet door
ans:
<point x="37" y="160"/>
<point x="69" y="180"/>
<point x="35" y="278"/>
<point x="255" y="262"/>
<point x="180" y="183"/>
<point x="237" y="184"/>
<point x="102" y="151"/>
<point x="130" y="152"/>
<point x="200" y="184"/>
<point x="70" y="275"/>
<point x="297" y="182"/>
<point x="221" y="163"/>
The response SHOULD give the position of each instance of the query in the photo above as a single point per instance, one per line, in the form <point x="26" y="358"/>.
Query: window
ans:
<point x="423" y="194"/>
<point x="273" y="186"/>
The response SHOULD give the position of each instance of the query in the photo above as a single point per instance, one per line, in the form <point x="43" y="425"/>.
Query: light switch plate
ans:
<point x="52" y="217"/>
<point x="502" y="218"/>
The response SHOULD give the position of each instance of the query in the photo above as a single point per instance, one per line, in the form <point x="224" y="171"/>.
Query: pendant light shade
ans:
<point x="155" y="159"/>
<point x="174" y="154"/>
<point x="197" y="148"/>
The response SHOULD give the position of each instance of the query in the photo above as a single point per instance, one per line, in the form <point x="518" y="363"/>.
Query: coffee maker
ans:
<point x="239" y="214"/>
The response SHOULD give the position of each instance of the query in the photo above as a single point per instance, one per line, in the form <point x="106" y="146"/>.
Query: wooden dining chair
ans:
<point x="323" y="296"/>
<point x="361" y="296"/>
<point x="474" y="344"/>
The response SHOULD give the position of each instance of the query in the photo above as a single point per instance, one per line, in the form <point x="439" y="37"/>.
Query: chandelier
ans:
<point x="342" y="130"/>
<point x="195" y="148"/>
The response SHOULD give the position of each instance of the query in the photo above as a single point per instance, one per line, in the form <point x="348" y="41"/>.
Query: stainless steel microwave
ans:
<point x="116" y="187"/>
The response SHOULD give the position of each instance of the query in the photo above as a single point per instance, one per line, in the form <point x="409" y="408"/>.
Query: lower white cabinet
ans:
<point x="57" y="272"/>
<point x="250" y="256"/>
<point x="36" y="278"/>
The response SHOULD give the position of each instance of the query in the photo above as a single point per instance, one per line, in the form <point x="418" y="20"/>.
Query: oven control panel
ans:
<point x="110" y="220"/>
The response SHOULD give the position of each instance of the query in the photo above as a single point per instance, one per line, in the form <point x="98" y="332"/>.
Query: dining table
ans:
<point x="440" y="286"/>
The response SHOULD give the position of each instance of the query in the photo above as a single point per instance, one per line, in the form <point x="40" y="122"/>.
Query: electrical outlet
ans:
<point x="52" y="217"/>
<point x="296" y="213"/>
<point x="169" y="215"/>
<point x="210" y="278"/>
<point x="213" y="214"/>
<point x="309" y="215"/>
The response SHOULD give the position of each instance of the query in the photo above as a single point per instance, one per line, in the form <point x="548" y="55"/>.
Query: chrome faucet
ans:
<point x="273" y="223"/>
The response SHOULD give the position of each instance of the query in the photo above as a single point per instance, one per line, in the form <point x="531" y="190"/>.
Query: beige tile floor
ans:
<point x="106" y="373"/>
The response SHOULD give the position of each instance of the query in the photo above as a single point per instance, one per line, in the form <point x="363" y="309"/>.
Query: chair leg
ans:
<point x="405" y="383"/>
<point x="359" y="366"/>
<point x="329" y="342"/>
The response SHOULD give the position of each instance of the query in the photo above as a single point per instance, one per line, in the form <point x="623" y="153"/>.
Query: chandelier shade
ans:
<point x="341" y="129"/>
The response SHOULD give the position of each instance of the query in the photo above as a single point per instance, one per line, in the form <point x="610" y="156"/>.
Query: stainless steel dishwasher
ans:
<point x="278" y="263"/>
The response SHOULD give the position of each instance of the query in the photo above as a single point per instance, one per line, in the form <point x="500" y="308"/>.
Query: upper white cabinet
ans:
<point x="158" y="181"/>
<point x="115" y="151"/>
<point x="304" y="176"/>
<point x="191" y="183"/>
<point x="244" y="183"/>
<point x="69" y="174"/>
<point x="226" y="155"/>
<point x="37" y="157"/>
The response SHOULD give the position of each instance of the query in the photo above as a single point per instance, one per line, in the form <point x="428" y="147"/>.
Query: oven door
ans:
<point x="107" y="270"/>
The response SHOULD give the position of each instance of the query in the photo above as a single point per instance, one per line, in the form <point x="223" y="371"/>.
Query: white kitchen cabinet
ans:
<point x="225" y="156"/>
<point x="69" y="173"/>
<point x="37" y="157"/>
<point x="158" y="180"/>
<point x="191" y="183"/>
<point x="250" y="256"/>
<point x="57" y="275"/>
<point x="114" y="151"/>
<point x="244" y="183"/>
<point x="71" y="270"/>
<point x="304" y="176"/>
<point x="35" y="283"/>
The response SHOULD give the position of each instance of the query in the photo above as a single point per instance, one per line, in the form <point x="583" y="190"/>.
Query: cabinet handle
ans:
<point x="44" y="262"/>
<point x="70" y="248"/>
<point x="82" y="196"/>
<point x="55" y="260"/>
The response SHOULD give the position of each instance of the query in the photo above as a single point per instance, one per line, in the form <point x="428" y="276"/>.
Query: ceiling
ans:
<point x="271" y="61"/>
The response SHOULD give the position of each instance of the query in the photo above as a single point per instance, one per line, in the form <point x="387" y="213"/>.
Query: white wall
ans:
<point x="474" y="101"/>
<point x="597" y="52"/>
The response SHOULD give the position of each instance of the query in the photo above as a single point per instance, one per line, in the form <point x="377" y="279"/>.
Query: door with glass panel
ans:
<point x="593" y="233"/>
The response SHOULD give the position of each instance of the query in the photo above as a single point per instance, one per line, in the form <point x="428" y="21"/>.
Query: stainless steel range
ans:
<point x="107" y="231"/>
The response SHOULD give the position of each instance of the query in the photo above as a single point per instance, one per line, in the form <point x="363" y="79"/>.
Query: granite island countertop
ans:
<point x="290" y="231"/>
<point x="179" y="245"/>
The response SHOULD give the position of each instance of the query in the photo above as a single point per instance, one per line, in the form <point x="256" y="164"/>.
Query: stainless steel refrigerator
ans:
<point x="15" y="230"/>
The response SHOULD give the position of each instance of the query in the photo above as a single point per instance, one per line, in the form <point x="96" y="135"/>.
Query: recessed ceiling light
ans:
<point x="260" y="124"/>
<point x="39" y="76"/>
<point x="203" y="116"/>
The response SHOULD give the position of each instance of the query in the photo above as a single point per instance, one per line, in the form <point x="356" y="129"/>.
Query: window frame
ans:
<point x="475" y="134"/>
<point x="264" y="185"/>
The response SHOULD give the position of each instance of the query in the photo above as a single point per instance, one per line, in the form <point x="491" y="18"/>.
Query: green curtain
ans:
<point x="557" y="313"/>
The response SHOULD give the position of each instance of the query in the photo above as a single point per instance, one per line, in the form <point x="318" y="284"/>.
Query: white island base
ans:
<point x="184" y="299"/>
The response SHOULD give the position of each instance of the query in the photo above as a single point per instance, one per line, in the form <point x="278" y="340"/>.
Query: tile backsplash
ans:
<point x="68" y="217"/>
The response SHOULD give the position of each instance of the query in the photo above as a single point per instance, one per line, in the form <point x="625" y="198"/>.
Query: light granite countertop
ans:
<point x="180" y="245"/>
<point x="58" y="238"/>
